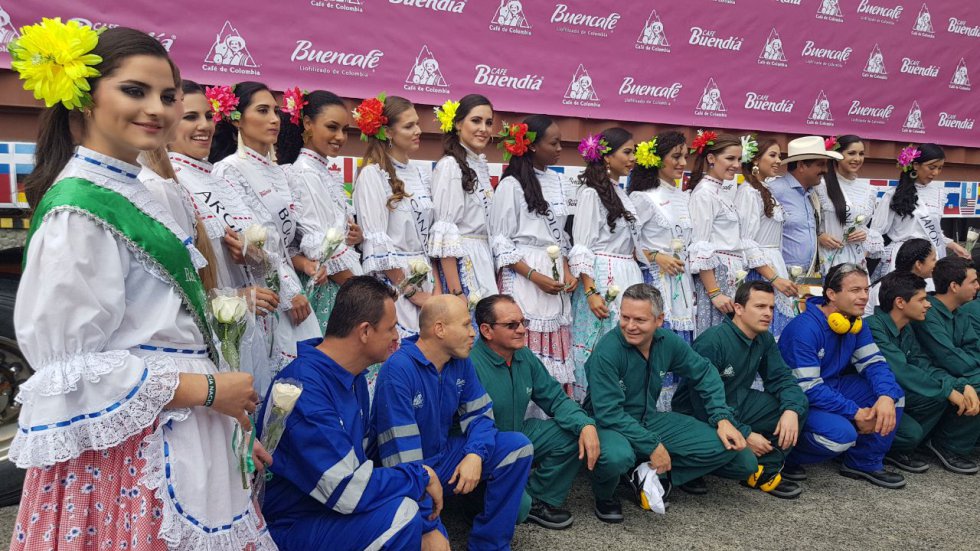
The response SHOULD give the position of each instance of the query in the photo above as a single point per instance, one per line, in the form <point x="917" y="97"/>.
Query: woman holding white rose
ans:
<point x="316" y="129"/>
<point x="846" y="206"/>
<point x="761" y="220"/>
<point x="604" y="255"/>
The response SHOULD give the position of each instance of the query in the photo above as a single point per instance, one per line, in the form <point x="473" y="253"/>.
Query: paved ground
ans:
<point x="937" y="510"/>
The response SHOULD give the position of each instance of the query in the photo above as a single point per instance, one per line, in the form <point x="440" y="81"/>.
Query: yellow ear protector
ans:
<point x="841" y="324"/>
<point x="756" y="481"/>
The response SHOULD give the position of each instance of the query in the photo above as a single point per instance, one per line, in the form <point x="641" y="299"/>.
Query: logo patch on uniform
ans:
<point x="417" y="402"/>
<point x="527" y="390"/>
<point x="820" y="353"/>
<point x="728" y="372"/>
<point x="622" y="385"/>
<point x="460" y="383"/>
<point x="663" y="374"/>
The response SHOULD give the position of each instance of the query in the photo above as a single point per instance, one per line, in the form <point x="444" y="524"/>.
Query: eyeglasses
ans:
<point x="512" y="325"/>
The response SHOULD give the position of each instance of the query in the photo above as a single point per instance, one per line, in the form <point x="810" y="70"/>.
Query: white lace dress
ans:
<point x="860" y="199"/>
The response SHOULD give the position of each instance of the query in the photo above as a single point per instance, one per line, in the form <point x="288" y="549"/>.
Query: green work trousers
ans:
<point x="929" y="418"/>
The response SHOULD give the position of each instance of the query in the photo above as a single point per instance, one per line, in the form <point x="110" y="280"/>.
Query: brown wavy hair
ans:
<point x="768" y="201"/>
<point x="377" y="150"/>
<point x="722" y="142"/>
<point x="451" y="145"/>
<point x="596" y="177"/>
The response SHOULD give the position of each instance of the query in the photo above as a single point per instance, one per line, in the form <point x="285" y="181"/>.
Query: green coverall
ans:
<point x="927" y="387"/>
<point x="623" y="392"/>
<point x="738" y="360"/>
<point x="555" y="440"/>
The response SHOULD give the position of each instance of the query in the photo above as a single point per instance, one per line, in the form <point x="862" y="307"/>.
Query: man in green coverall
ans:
<point x="948" y="339"/>
<point x="770" y="420"/>
<point x="514" y="377"/>
<point x="625" y="374"/>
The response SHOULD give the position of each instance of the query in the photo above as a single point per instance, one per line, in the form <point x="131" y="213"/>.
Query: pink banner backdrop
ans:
<point x="899" y="70"/>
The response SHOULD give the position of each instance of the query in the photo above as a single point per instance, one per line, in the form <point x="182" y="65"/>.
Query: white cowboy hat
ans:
<point x="807" y="148"/>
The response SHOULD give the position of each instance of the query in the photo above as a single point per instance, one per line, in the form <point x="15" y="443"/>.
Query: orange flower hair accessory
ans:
<point x="369" y="117"/>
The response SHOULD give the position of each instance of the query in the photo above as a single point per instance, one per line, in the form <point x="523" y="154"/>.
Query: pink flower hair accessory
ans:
<point x="224" y="103"/>
<point x="593" y="147"/>
<point x="830" y="144"/>
<point x="907" y="156"/>
<point x="293" y="102"/>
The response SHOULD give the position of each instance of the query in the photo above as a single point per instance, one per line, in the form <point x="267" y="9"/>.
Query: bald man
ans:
<point x="426" y="389"/>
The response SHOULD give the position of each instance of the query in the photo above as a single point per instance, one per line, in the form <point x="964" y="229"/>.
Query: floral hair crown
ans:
<point x="750" y="147"/>
<point x="830" y="144"/>
<point x="703" y="140"/>
<point x="54" y="61"/>
<point x="446" y="114"/>
<point x="293" y="102"/>
<point x="224" y="103"/>
<point x="515" y="140"/>
<point x="593" y="147"/>
<point x="369" y="117"/>
<point x="646" y="154"/>
<point x="907" y="156"/>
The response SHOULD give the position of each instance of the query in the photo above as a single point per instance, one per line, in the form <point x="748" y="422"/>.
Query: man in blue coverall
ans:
<point x="855" y="401"/>
<point x="427" y="389"/>
<point x="324" y="487"/>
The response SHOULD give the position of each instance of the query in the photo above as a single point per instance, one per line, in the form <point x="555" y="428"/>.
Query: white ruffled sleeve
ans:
<point x="874" y="245"/>
<point x="881" y="220"/>
<point x="371" y="192"/>
<point x="505" y="217"/>
<point x="589" y="214"/>
<point x="84" y="395"/>
<point x="748" y="205"/>
<point x="449" y="202"/>
<point x="701" y="253"/>
<point x="302" y="183"/>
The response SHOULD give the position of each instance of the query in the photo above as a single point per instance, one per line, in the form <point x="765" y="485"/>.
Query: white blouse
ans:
<point x="716" y="224"/>
<point x="512" y="226"/>
<point x="591" y="233"/>
<point x="392" y="236"/>
<point x="322" y="203"/>
<point x="662" y="215"/>
<point x="758" y="231"/>
<point x="456" y="212"/>
<point x="860" y="200"/>
<point x="900" y="229"/>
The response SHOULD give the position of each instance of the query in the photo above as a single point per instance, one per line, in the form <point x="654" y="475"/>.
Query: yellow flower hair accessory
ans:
<point x="446" y="114"/>
<point x="646" y="154"/>
<point x="54" y="61"/>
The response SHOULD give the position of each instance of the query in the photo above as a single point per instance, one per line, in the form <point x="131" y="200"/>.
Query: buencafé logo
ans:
<point x="870" y="114"/>
<point x="772" y="53"/>
<point x="451" y="6"/>
<point x="711" y="104"/>
<point x="913" y="122"/>
<point x="923" y="24"/>
<point x="961" y="77"/>
<point x="959" y="26"/>
<point x="761" y="102"/>
<point x="648" y="94"/>
<point x="342" y="5"/>
<point x="829" y="10"/>
<point x="820" y="114"/>
<point x="510" y="18"/>
<point x="915" y="67"/>
<point x="828" y="57"/>
<point x="585" y="24"/>
<point x="949" y="120"/>
<point x="879" y="14"/>
<point x="7" y="30"/>
<point x="652" y="37"/>
<point x="229" y="53"/>
<point x="581" y="91"/>
<point x="875" y="67"/>
<point x="487" y="75"/>
<point x="426" y="76"/>
<point x="334" y="62"/>
<point x="707" y="38"/>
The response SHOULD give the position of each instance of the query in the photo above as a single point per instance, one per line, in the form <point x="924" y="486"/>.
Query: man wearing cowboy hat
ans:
<point x="806" y="163"/>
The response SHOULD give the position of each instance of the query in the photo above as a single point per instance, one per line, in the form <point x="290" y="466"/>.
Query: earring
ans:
<point x="913" y="175"/>
<point x="711" y="165"/>
<point x="272" y="154"/>
<point x="755" y="170"/>
<point x="241" y="145"/>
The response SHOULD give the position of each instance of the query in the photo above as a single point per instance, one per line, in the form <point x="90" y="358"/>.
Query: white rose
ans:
<point x="972" y="235"/>
<point x="334" y="237"/>
<point x="229" y="309"/>
<point x="612" y="292"/>
<point x="795" y="271"/>
<point x="419" y="267"/>
<point x="473" y="299"/>
<point x="677" y="245"/>
<point x="284" y="396"/>
<point x="255" y="235"/>
<point x="740" y="275"/>
<point x="859" y="219"/>
<point x="554" y="251"/>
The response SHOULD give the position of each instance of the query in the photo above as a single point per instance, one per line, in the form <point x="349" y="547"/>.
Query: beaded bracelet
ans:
<point x="590" y="291"/>
<point x="774" y="278"/>
<point x="211" y="391"/>
<point x="411" y="292"/>
<point x="714" y="291"/>
<point x="530" y="273"/>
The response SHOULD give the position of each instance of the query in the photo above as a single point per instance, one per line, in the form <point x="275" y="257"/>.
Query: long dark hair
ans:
<point x="225" y="141"/>
<point x="642" y="178"/>
<point x="454" y="148"/>
<point x="522" y="168"/>
<point x="596" y="177"/>
<point x="290" y="139"/>
<point x="833" y="184"/>
<point x="722" y="142"/>
<point x="906" y="196"/>
<point x="768" y="201"/>
<point x="55" y="145"/>
<point x="377" y="150"/>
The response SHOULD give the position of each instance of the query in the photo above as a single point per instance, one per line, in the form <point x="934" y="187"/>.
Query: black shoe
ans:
<point x="882" y="478"/>
<point x="907" y="462"/>
<point x="952" y="462"/>
<point x="697" y="487"/>
<point x="794" y="473"/>
<point x="550" y="517"/>
<point x="609" y="510"/>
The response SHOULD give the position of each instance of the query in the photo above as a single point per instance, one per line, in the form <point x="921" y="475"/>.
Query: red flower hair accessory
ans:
<point x="293" y="102"/>
<point x="369" y="117"/>
<point x="224" y="103"/>
<point x="703" y="140"/>
<point x="830" y="144"/>
<point x="515" y="140"/>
